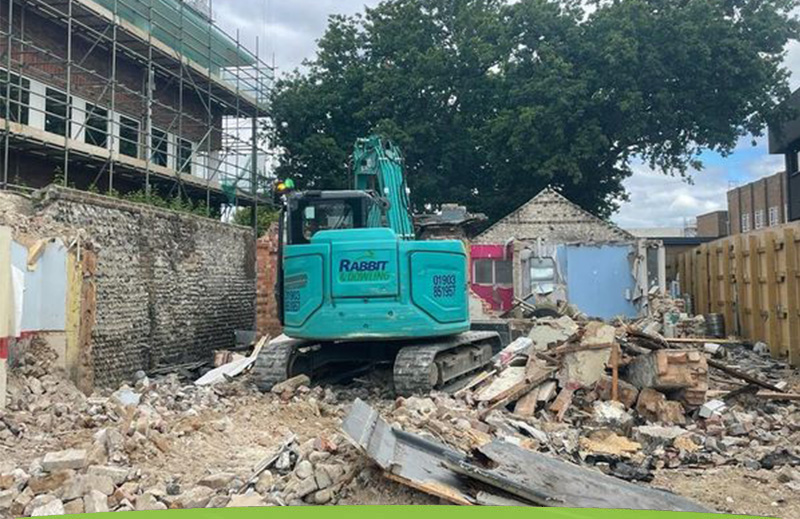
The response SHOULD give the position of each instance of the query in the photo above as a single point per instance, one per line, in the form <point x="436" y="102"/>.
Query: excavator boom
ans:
<point x="378" y="167"/>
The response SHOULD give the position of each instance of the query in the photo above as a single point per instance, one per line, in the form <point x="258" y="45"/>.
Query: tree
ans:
<point x="492" y="102"/>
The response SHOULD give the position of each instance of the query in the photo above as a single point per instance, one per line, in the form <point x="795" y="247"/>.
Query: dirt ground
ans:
<point x="733" y="490"/>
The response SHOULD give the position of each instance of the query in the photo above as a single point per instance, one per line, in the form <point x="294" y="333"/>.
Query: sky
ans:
<point x="288" y="31"/>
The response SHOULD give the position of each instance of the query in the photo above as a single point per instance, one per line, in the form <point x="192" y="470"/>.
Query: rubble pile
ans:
<point x="624" y="402"/>
<point x="116" y="438"/>
<point x="577" y="399"/>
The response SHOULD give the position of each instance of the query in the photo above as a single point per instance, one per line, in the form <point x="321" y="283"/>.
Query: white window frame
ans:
<point x="494" y="282"/>
<point x="774" y="216"/>
<point x="758" y="219"/>
<point x="746" y="222"/>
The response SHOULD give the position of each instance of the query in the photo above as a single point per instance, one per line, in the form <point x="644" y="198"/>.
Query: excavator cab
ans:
<point x="310" y="212"/>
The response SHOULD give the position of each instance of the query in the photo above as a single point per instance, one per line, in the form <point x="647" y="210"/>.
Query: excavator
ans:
<point x="356" y="289"/>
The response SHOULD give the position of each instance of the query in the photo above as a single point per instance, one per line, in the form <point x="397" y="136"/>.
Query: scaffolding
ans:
<point x="141" y="93"/>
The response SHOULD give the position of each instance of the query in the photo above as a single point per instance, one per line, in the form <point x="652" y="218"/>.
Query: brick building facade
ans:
<point x="758" y="205"/>
<point x="128" y="95"/>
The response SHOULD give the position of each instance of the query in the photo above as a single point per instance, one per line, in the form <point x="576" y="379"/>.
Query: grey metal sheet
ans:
<point x="549" y="481"/>
<point x="404" y="457"/>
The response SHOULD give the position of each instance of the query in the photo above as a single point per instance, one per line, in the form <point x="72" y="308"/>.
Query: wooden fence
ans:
<point x="752" y="279"/>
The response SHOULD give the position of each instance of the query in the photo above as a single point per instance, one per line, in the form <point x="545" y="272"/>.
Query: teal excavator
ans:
<point x="356" y="289"/>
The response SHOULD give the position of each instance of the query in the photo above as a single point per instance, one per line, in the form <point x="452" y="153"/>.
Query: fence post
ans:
<point x="742" y="327"/>
<point x="791" y="297"/>
<point x="772" y="303"/>
<point x="727" y="286"/>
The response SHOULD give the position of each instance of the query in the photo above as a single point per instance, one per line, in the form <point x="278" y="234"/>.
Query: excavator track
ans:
<point x="418" y="368"/>
<point x="274" y="363"/>
<point x="422" y="368"/>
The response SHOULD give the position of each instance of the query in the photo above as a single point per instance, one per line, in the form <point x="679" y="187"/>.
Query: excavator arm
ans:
<point x="378" y="167"/>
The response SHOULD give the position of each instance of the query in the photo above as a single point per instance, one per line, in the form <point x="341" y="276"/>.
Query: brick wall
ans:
<point x="552" y="217"/>
<point x="267" y="321"/>
<point x="713" y="225"/>
<point x="170" y="288"/>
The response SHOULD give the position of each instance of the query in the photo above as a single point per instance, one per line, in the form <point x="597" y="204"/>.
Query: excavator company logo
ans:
<point x="364" y="268"/>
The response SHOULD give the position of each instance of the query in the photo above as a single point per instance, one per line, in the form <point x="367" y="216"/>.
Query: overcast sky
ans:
<point x="289" y="29"/>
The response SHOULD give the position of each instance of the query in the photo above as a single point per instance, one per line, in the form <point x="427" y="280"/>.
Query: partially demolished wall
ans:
<point x="167" y="288"/>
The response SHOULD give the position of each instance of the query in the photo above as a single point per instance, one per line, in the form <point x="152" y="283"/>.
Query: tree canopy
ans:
<point x="492" y="101"/>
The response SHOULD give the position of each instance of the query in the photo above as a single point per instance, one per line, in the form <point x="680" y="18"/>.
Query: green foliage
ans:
<point x="173" y="203"/>
<point x="266" y="217"/>
<point x="492" y="101"/>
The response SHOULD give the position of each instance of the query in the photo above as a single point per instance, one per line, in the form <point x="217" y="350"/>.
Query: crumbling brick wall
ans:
<point x="170" y="287"/>
<point x="266" y="305"/>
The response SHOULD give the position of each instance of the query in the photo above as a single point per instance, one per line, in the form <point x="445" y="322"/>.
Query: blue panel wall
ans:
<point x="44" y="304"/>
<point x="599" y="279"/>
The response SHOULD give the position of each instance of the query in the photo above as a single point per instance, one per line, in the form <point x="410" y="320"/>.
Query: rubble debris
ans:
<point x="63" y="460"/>
<point x="549" y="331"/>
<point x="612" y="415"/>
<point x="606" y="442"/>
<point x="562" y="403"/>
<point x="667" y="370"/>
<point x="711" y="408"/>
<point x="405" y="458"/>
<point x="535" y="478"/>
<point x="653" y="406"/>
<point x="520" y="345"/>
<point x="287" y="388"/>
<point x="586" y="364"/>
<point x="548" y="481"/>
<point x="742" y="375"/>
<point x="232" y="369"/>
<point x="637" y="436"/>
<point x="526" y="406"/>
<point x="627" y="393"/>
<point x="508" y="379"/>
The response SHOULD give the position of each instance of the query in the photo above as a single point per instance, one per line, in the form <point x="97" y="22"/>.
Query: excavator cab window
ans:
<point x="311" y="214"/>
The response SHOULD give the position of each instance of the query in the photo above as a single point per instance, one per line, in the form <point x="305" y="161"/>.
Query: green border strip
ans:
<point x="403" y="512"/>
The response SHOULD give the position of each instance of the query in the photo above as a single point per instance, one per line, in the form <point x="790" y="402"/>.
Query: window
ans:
<point x="774" y="216"/>
<point x="159" y="148"/>
<point x="20" y="97"/>
<point x="746" y="222"/>
<point x="503" y="272"/>
<point x="96" y="126"/>
<point x="759" y="219"/>
<point x="57" y="110"/>
<point x="185" y="156"/>
<point x="492" y="272"/>
<point x="129" y="137"/>
<point x="543" y="275"/>
<point x="483" y="272"/>
<point x="312" y="214"/>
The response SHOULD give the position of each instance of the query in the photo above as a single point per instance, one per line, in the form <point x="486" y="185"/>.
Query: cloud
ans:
<point x="658" y="200"/>
<point x="286" y="29"/>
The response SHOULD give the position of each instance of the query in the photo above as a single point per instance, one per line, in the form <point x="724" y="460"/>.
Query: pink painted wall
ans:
<point x="499" y="297"/>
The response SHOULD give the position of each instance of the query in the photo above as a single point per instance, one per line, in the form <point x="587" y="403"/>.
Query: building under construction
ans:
<point x="130" y="95"/>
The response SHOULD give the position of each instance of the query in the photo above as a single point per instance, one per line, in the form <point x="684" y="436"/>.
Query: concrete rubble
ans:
<point x="611" y="398"/>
